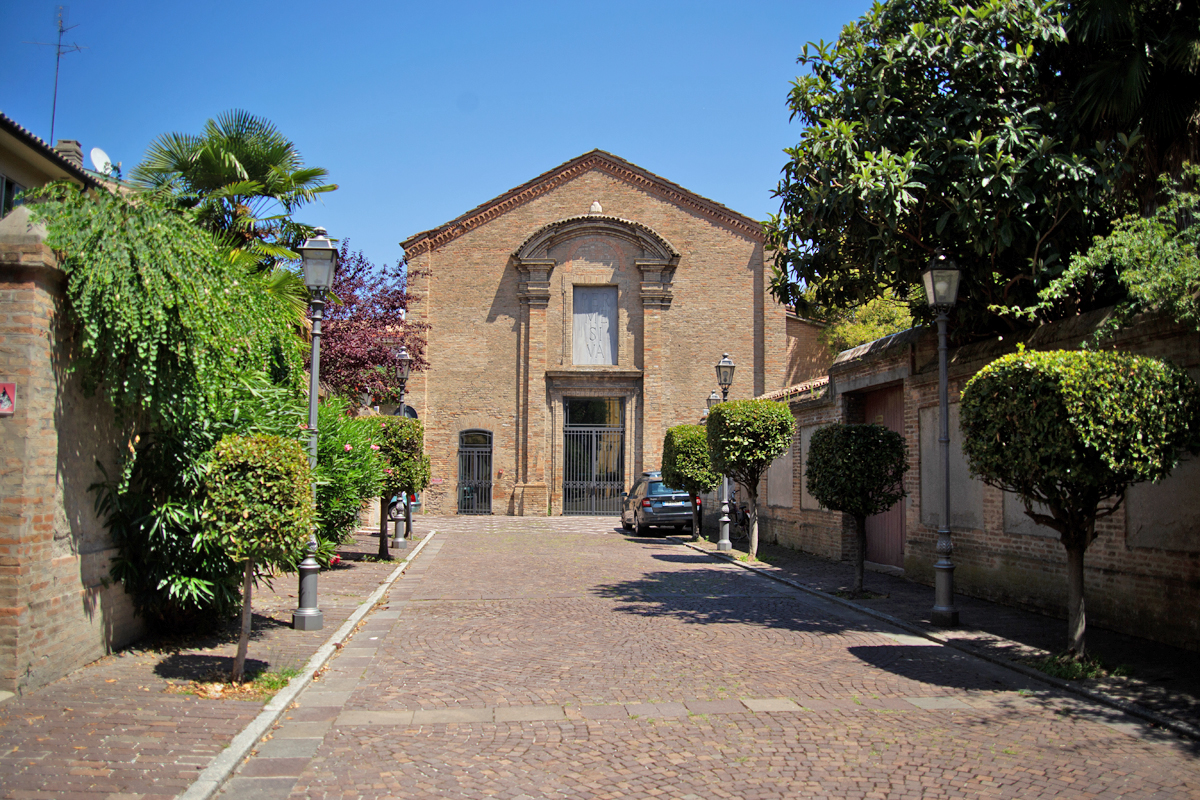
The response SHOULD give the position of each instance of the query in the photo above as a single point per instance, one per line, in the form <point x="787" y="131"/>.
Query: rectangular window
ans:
<point x="594" y="339"/>
<point x="9" y="189"/>
<point x="594" y="411"/>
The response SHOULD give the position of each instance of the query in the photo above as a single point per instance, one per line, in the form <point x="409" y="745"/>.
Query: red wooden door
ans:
<point x="885" y="532"/>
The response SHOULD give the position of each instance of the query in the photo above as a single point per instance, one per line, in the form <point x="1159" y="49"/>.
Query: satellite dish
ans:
<point x="101" y="161"/>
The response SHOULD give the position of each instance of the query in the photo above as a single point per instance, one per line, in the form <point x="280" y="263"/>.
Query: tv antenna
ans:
<point x="60" y="49"/>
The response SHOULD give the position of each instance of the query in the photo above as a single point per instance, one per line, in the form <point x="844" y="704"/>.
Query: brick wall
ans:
<point x="57" y="609"/>
<point x="1150" y="590"/>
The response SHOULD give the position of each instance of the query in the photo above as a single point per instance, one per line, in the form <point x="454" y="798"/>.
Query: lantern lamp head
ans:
<point x="404" y="368"/>
<point x="725" y="373"/>
<point x="712" y="400"/>
<point x="320" y="257"/>
<point x="941" y="281"/>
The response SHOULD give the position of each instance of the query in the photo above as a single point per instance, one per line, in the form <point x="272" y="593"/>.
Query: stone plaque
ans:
<point x="780" y="485"/>
<point x="966" y="493"/>
<point x="1166" y="515"/>
<point x="594" y="339"/>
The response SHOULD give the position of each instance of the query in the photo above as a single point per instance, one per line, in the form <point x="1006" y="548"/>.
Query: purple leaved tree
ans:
<point x="365" y="327"/>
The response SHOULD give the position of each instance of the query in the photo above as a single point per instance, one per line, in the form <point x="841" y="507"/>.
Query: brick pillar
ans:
<point x="532" y="492"/>
<point x="30" y="278"/>
<point x="57" y="609"/>
<point x="656" y="299"/>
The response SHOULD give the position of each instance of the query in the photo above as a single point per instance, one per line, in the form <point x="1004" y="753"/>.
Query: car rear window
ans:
<point x="660" y="488"/>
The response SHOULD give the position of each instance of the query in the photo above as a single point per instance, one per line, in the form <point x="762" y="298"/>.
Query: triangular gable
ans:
<point x="548" y="181"/>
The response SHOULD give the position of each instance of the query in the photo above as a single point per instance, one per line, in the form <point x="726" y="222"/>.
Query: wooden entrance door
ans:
<point x="885" y="532"/>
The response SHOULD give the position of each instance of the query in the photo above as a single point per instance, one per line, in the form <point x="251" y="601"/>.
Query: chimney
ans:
<point x="71" y="151"/>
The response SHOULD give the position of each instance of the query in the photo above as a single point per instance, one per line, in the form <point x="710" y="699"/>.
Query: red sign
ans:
<point x="8" y="399"/>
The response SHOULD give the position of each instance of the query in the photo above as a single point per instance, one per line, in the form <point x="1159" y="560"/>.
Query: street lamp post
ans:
<point x="941" y="291"/>
<point x="320" y="257"/>
<point x="403" y="370"/>
<point x="724" y="380"/>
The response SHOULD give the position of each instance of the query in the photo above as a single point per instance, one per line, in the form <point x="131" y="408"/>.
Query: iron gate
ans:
<point x="475" y="472"/>
<point x="593" y="469"/>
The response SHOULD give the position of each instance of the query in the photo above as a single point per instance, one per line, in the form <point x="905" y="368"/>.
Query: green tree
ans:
<point x="407" y="469"/>
<point x="1155" y="259"/>
<point x="687" y="465"/>
<point x="878" y="317"/>
<point x="1069" y="432"/>
<point x="936" y="125"/>
<point x="173" y="336"/>
<point x="1134" y="66"/>
<point x="744" y="437"/>
<point x="164" y="323"/>
<point x="859" y="470"/>
<point x="349" y="469"/>
<point x="242" y="177"/>
<point x="259" y="510"/>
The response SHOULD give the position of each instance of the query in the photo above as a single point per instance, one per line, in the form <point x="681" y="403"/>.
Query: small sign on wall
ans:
<point x="8" y="399"/>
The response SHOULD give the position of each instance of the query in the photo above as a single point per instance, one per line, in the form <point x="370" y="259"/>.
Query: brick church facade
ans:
<point x="572" y="321"/>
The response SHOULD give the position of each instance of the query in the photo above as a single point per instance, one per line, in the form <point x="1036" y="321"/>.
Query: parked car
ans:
<point x="652" y="503"/>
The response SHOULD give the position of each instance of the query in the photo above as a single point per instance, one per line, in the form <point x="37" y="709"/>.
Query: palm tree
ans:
<point x="1136" y="66"/>
<point x="242" y="179"/>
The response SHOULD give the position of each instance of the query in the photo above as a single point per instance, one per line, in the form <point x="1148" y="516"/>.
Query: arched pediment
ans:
<point x="653" y="246"/>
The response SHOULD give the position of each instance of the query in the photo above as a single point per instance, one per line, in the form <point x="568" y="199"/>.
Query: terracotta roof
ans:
<point x="547" y="181"/>
<point x="38" y="145"/>
<point x="788" y="392"/>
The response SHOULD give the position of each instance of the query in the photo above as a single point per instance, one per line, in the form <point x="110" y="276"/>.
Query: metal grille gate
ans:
<point x="475" y="472"/>
<point x="593" y="469"/>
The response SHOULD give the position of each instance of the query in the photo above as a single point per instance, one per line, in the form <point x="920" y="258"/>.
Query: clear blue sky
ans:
<point x="420" y="111"/>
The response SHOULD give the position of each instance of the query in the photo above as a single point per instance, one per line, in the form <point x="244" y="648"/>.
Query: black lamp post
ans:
<point x="403" y="370"/>
<point x="725" y="369"/>
<point x="320" y="257"/>
<point x="941" y="291"/>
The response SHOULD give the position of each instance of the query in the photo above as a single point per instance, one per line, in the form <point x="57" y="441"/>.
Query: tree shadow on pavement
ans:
<point x="938" y="666"/>
<point x="706" y="596"/>
<point x="197" y="667"/>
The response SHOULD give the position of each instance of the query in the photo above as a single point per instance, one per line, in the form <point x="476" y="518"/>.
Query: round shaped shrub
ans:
<point x="1064" y="427"/>
<point x="857" y="469"/>
<point x="686" y="463"/>
<point x="745" y="436"/>
<point x="401" y="444"/>
<point x="260" y="504"/>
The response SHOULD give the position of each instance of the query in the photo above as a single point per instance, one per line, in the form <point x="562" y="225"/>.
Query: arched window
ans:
<point x="475" y="472"/>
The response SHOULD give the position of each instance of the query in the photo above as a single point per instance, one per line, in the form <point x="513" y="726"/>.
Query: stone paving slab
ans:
<point x="112" y="729"/>
<point x="612" y="626"/>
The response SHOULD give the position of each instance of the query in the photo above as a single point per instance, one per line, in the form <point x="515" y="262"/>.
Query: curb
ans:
<point x="1144" y="714"/>
<point x="217" y="772"/>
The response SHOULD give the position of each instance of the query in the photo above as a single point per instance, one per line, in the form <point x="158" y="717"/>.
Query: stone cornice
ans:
<point x="538" y="245"/>
<point x="548" y="181"/>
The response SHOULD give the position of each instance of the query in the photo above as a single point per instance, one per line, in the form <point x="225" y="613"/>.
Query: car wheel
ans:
<point x="642" y="530"/>
<point x="626" y="525"/>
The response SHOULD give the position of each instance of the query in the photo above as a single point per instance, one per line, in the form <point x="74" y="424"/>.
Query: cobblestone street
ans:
<point x="527" y="658"/>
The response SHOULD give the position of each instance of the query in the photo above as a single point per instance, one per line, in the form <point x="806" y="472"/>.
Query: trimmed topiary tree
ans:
<point x="859" y="470"/>
<point x="407" y="468"/>
<point x="744" y="437"/>
<point x="1069" y="432"/>
<point x="687" y="465"/>
<point x="259" y="509"/>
